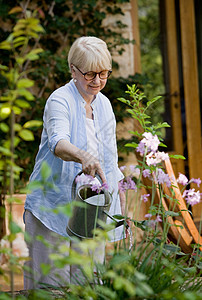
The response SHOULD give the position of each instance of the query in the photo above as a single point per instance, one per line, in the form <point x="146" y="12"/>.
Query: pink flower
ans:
<point x="182" y="179"/>
<point x="161" y="156"/>
<point x="163" y="178"/>
<point x="192" y="197"/>
<point x="151" y="159"/>
<point x="145" y="197"/>
<point x="122" y="168"/>
<point x="156" y="158"/>
<point x="151" y="141"/>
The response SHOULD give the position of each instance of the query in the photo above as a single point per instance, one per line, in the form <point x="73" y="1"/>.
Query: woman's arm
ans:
<point x="68" y="152"/>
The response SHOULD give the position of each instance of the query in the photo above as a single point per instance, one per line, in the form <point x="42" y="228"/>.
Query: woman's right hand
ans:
<point x="91" y="166"/>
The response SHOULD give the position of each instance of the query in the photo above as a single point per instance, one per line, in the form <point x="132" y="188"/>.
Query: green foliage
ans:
<point x="15" y="96"/>
<point x="63" y="21"/>
<point x="151" y="54"/>
<point x="139" y="112"/>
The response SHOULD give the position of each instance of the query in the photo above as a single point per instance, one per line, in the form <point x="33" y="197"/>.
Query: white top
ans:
<point x="92" y="141"/>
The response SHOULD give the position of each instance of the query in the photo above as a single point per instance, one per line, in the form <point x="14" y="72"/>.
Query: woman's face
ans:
<point x="88" y="88"/>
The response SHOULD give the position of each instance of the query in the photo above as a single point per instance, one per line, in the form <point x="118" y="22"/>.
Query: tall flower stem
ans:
<point x="11" y="190"/>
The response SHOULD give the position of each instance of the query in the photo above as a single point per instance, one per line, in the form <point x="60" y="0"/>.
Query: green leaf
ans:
<point x="4" y="112"/>
<point x="106" y="291"/>
<point x="5" y="45"/>
<point x="26" y="135"/>
<point x="17" y="110"/>
<point x="45" y="268"/>
<point x="20" y="60"/>
<point x="5" y="151"/>
<point x="2" y="67"/>
<point x="33" y="123"/>
<point x="177" y="156"/>
<point x="133" y="145"/>
<point x="15" y="10"/>
<point x="4" y="127"/>
<point x="125" y="284"/>
<point x="45" y="170"/>
<point x="22" y="103"/>
<point x="17" y="127"/>
<point x="66" y="209"/>
<point x="191" y="270"/>
<point x="33" y="54"/>
<point x="26" y="94"/>
<point x="118" y="217"/>
<point x="172" y="213"/>
<point x="153" y="100"/>
<point x="34" y="185"/>
<point x="25" y="83"/>
<point x="15" y="228"/>
<point x="124" y="101"/>
<point x="172" y="248"/>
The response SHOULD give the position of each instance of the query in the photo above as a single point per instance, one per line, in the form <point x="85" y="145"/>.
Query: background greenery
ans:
<point x="63" y="21"/>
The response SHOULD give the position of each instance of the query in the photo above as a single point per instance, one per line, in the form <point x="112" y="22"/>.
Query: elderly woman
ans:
<point x="78" y="135"/>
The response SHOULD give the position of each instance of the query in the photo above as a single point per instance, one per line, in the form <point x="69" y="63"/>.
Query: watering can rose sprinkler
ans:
<point x="92" y="203"/>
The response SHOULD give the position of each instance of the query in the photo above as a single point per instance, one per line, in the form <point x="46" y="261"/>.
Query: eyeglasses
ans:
<point x="91" y="75"/>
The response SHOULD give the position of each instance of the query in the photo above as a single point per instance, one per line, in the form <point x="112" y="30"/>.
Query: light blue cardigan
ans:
<point x="64" y="118"/>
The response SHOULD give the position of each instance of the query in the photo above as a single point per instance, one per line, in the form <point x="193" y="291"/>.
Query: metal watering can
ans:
<point x="93" y="207"/>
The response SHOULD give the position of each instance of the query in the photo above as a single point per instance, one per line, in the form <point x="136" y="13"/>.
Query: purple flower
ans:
<point x="98" y="188"/>
<point x="95" y="187"/>
<point x="158" y="219"/>
<point x="130" y="183"/>
<point x="146" y="173"/>
<point x="182" y="179"/>
<point x="148" y="215"/>
<point x="192" y="197"/>
<point x="141" y="148"/>
<point x="105" y="186"/>
<point x="122" y="168"/>
<point x="197" y="181"/>
<point x="163" y="178"/>
<point x="84" y="179"/>
<point x="145" y="197"/>
<point x="134" y="170"/>
<point x="127" y="184"/>
<point x="152" y="224"/>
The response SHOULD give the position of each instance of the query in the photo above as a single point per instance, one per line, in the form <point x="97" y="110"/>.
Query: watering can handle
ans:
<point x="74" y="183"/>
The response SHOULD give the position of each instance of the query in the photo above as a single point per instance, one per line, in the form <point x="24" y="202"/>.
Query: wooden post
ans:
<point x="191" y="93"/>
<point x="174" y="86"/>
<point x="136" y="36"/>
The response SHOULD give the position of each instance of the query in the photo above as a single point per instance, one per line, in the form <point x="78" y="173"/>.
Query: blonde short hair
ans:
<point x="90" y="54"/>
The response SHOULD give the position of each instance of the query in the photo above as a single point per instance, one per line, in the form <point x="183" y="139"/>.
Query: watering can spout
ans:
<point x="118" y="223"/>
